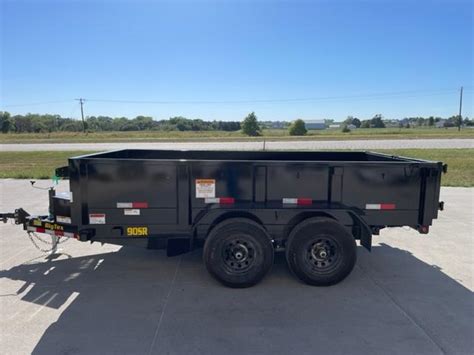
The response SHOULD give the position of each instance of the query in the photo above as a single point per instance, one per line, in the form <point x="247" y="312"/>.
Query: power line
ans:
<point x="73" y="111"/>
<point x="371" y="96"/>
<point x="37" y="103"/>
<point x="412" y="93"/>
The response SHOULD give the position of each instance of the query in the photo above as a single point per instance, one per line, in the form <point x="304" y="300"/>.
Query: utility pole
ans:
<point x="460" y="110"/>
<point x="81" y="102"/>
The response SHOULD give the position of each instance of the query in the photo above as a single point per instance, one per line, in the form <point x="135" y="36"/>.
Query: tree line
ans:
<point x="379" y="122"/>
<point x="37" y="123"/>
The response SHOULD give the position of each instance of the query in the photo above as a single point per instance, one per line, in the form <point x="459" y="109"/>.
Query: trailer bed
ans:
<point x="269" y="200"/>
<point x="384" y="190"/>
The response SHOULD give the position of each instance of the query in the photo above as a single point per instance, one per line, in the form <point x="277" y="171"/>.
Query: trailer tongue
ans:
<point x="242" y="206"/>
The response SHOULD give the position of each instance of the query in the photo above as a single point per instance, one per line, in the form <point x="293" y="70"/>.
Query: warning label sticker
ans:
<point x="205" y="188"/>
<point x="63" y="219"/>
<point x="97" y="218"/>
<point x="131" y="212"/>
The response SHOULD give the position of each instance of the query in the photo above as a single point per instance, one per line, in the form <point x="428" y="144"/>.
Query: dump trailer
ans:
<point x="243" y="206"/>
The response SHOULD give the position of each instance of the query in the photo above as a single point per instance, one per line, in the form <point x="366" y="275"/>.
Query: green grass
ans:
<point x="41" y="165"/>
<point x="270" y="134"/>
<point x="33" y="165"/>
<point x="460" y="163"/>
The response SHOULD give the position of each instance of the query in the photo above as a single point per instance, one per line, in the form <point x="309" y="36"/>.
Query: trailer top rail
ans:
<point x="202" y="155"/>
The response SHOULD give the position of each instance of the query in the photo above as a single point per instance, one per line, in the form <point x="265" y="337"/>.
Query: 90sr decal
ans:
<point x="137" y="231"/>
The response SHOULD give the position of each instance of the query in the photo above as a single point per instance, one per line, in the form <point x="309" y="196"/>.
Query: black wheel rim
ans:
<point x="239" y="254"/>
<point x="322" y="254"/>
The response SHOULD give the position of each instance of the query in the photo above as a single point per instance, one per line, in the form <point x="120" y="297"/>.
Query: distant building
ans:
<point x="278" y="124"/>
<point x="273" y="124"/>
<point x="351" y="126"/>
<point x="314" y="124"/>
<point x="394" y="123"/>
<point x="335" y="126"/>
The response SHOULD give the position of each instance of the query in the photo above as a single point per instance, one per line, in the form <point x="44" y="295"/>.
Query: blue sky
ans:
<point x="223" y="59"/>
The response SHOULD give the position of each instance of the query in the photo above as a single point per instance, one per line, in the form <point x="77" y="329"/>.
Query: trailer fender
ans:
<point x="230" y="219"/>
<point x="365" y="231"/>
<point x="344" y="217"/>
<point x="300" y="217"/>
<point x="213" y="217"/>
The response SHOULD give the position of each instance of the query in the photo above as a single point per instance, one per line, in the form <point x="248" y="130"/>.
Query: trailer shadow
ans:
<point x="139" y="301"/>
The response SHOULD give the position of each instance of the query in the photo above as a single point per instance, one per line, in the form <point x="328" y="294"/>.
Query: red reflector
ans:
<point x="387" y="206"/>
<point x="304" y="201"/>
<point x="139" y="204"/>
<point x="59" y="233"/>
<point x="226" y="200"/>
<point x="40" y="230"/>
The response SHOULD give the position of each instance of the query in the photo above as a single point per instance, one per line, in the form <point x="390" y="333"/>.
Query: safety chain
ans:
<point x="30" y="233"/>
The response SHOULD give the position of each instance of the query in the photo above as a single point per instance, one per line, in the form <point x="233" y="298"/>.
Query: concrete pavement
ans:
<point x="411" y="295"/>
<point x="252" y="145"/>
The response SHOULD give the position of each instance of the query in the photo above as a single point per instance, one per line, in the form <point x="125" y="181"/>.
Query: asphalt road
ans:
<point x="411" y="295"/>
<point x="255" y="145"/>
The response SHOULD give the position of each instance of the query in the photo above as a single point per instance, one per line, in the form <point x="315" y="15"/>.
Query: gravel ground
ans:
<point x="271" y="145"/>
<point x="411" y="295"/>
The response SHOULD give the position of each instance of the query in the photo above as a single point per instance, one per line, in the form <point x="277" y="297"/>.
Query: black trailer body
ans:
<point x="178" y="199"/>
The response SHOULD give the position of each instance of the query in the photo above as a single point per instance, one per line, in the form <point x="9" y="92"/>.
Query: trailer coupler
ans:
<point x="20" y="216"/>
<point x="40" y="224"/>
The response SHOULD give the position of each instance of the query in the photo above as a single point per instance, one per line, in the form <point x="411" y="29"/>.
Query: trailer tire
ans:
<point x="238" y="253"/>
<point x="321" y="252"/>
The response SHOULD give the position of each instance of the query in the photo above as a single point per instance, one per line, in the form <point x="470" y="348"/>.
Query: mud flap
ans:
<point x="366" y="238"/>
<point x="365" y="233"/>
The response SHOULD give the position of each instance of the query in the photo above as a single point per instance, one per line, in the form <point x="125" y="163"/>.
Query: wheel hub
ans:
<point x="239" y="254"/>
<point x="322" y="253"/>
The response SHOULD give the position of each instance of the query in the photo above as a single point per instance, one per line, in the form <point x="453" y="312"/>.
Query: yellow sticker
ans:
<point x="137" y="231"/>
<point x="37" y="222"/>
<point x="53" y="226"/>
